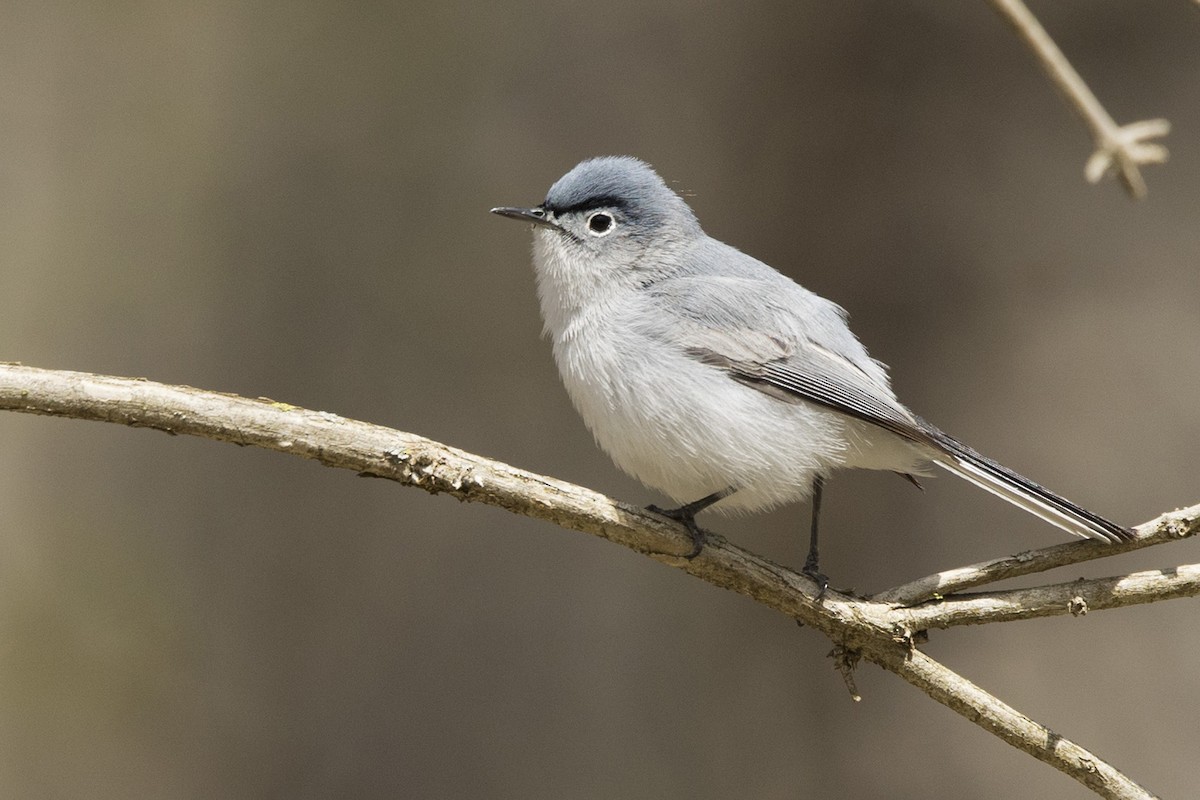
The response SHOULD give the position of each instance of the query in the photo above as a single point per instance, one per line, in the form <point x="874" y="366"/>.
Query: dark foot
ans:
<point x="820" y="578"/>
<point x="687" y="518"/>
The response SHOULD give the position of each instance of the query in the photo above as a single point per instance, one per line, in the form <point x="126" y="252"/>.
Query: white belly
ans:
<point x="688" y="429"/>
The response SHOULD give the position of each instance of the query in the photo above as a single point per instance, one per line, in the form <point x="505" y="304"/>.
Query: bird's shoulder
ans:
<point x="725" y="289"/>
<point x="737" y="309"/>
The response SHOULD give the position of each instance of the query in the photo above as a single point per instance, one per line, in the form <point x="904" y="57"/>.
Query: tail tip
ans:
<point x="1112" y="533"/>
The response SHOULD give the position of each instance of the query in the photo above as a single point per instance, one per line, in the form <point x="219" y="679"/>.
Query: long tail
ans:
<point x="1001" y="481"/>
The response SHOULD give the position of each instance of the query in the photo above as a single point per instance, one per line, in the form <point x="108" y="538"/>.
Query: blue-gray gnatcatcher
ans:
<point x="715" y="379"/>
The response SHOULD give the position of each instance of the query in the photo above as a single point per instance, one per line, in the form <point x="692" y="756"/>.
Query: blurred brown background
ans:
<point x="290" y="200"/>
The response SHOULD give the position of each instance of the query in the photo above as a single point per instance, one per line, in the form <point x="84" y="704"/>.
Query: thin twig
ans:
<point x="1074" y="597"/>
<point x="1171" y="526"/>
<point x="1118" y="149"/>
<point x="867" y="627"/>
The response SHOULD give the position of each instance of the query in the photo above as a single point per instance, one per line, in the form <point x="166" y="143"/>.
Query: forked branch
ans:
<point x="880" y="632"/>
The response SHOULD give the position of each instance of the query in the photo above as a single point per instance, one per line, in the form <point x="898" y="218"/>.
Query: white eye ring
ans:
<point x="601" y="223"/>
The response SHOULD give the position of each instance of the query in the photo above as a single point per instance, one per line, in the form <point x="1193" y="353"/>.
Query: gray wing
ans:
<point x="775" y="336"/>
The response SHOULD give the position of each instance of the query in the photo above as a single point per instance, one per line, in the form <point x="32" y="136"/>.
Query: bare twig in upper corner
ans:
<point x="1119" y="149"/>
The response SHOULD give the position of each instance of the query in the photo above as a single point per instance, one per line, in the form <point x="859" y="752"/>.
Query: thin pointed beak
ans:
<point x="538" y="216"/>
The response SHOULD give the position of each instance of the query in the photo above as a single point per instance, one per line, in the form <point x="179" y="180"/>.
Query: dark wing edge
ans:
<point x="784" y="382"/>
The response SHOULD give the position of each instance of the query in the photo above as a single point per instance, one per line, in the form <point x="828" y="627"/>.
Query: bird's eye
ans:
<point x="600" y="223"/>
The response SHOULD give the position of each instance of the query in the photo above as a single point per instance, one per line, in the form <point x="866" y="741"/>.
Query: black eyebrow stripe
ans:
<point x="599" y="201"/>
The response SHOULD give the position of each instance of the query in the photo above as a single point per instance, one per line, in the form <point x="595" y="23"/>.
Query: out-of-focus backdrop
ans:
<point x="290" y="200"/>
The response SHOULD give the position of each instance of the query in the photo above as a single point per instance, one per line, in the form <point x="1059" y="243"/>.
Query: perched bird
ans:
<point x="712" y="377"/>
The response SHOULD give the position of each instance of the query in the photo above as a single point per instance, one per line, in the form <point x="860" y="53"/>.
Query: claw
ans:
<point x="820" y="578"/>
<point x="685" y="517"/>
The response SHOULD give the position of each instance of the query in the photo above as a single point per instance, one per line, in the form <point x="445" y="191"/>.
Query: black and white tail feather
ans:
<point x="1001" y="481"/>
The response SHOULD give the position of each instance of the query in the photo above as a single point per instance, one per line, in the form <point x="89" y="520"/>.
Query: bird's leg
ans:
<point x="686" y="516"/>
<point x="811" y="564"/>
